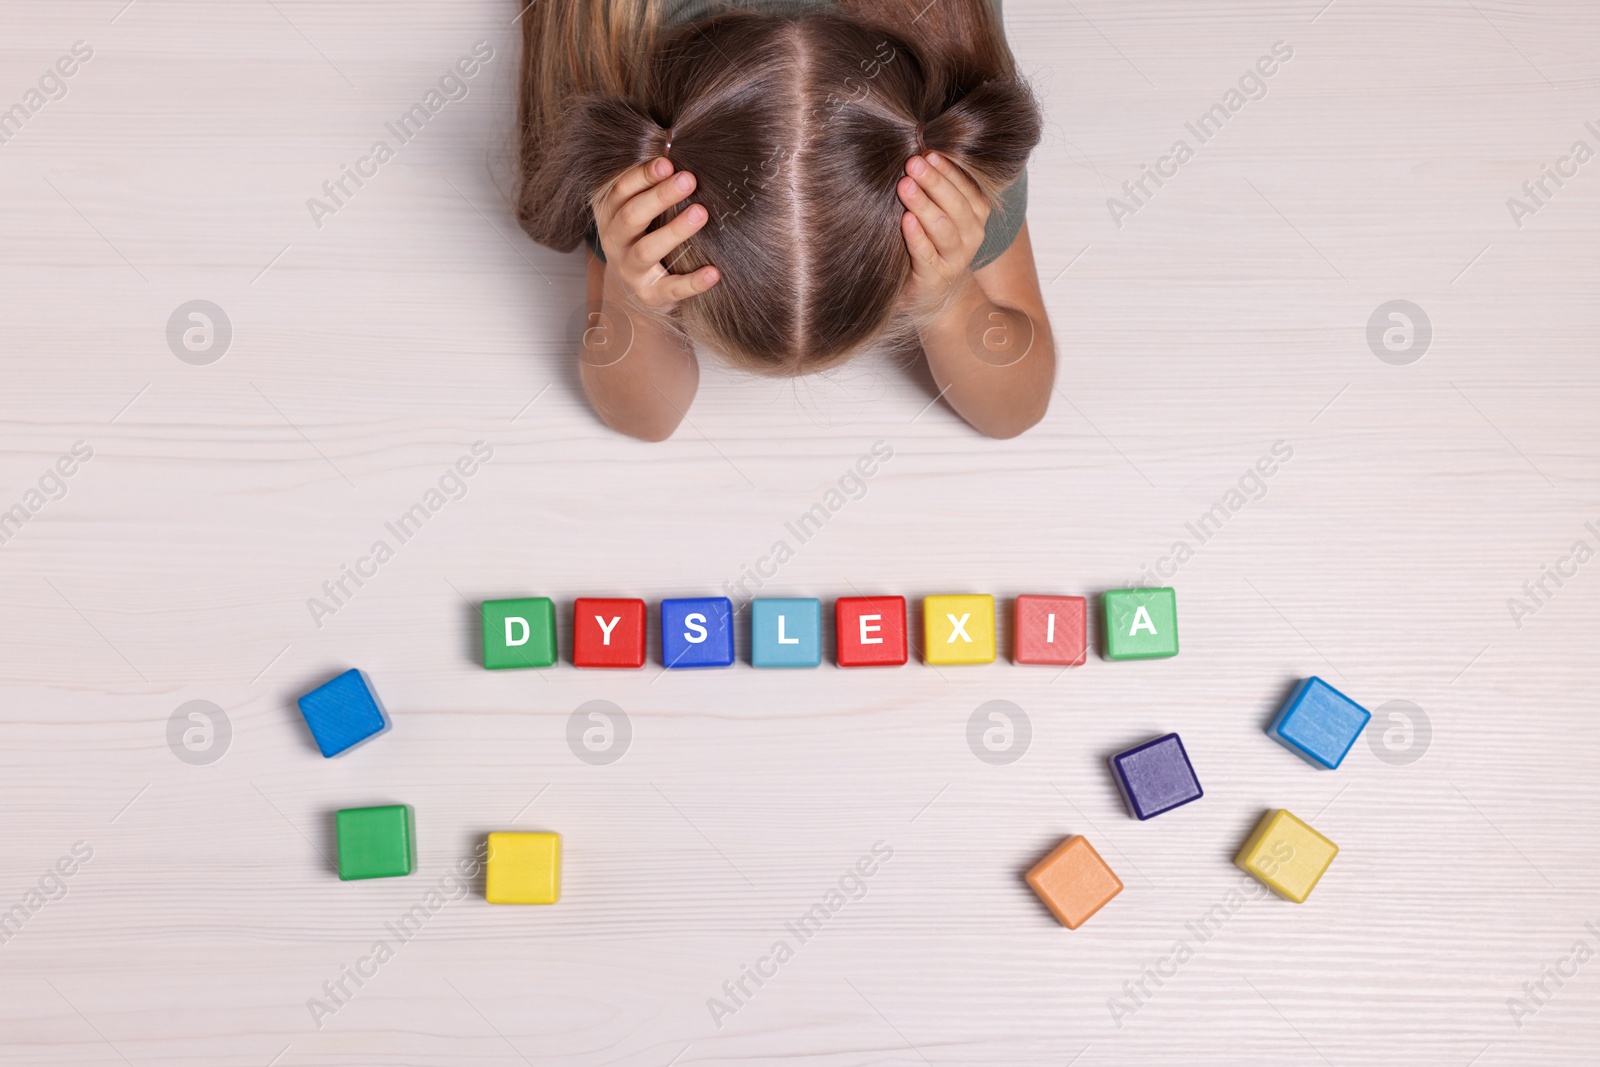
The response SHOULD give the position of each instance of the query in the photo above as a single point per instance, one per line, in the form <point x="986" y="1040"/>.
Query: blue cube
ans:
<point x="785" y="632"/>
<point x="1320" y="723"/>
<point x="697" y="632"/>
<point x="1155" y="777"/>
<point x="343" y="713"/>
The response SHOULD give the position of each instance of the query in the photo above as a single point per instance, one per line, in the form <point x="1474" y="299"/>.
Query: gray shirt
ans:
<point x="1005" y="222"/>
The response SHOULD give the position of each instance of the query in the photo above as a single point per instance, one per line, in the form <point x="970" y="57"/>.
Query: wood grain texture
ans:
<point x="1226" y="315"/>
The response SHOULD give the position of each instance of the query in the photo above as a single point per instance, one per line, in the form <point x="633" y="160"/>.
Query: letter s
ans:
<point x="1283" y="50"/>
<point x="483" y="50"/>
<point x="82" y="50"/>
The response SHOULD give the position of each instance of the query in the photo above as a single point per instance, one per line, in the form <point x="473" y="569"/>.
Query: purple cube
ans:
<point x="1155" y="777"/>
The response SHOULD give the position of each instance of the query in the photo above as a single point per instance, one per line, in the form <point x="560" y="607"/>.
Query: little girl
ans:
<point x="787" y="183"/>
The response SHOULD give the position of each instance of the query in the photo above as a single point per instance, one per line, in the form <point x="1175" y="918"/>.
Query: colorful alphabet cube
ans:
<point x="608" y="632"/>
<point x="376" y="842"/>
<point x="958" y="629"/>
<point x="519" y="633"/>
<point x="342" y="713"/>
<point x="1320" y="723"/>
<point x="871" y="630"/>
<point x="1141" y="624"/>
<point x="1051" y="630"/>
<point x="697" y="632"/>
<point x="1155" y="777"/>
<point x="1074" y="882"/>
<point x="785" y="632"/>
<point x="523" y="868"/>
<point x="1286" y="855"/>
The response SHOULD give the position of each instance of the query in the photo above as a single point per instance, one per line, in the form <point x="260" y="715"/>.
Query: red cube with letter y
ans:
<point x="608" y="633"/>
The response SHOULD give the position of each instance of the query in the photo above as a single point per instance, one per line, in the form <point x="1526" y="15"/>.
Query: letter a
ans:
<point x="1141" y="621"/>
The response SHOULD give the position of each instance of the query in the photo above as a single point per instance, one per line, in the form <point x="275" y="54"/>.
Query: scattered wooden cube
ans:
<point x="1074" y="882"/>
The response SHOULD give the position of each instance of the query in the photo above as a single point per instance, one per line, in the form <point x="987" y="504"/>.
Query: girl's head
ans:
<point x="797" y="130"/>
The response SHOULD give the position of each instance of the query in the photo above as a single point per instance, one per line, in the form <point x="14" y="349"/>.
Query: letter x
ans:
<point x="960" y="628"/>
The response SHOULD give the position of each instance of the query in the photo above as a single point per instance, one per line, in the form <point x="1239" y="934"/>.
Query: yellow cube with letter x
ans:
<point x="958" y="629"/>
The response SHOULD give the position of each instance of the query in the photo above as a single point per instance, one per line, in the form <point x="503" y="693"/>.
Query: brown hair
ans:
<point x="797" y="129"/>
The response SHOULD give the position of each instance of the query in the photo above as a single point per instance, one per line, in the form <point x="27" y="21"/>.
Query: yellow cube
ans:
<point x="958" y="629"/>
<point x="1286" y="855"/>
<point x="523" y="869"/>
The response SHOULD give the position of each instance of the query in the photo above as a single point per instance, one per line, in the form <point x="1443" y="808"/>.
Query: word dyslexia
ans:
<point x="870" y="631"/>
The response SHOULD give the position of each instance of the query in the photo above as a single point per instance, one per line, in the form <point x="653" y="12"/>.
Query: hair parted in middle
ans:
<point x="797" y="129"/>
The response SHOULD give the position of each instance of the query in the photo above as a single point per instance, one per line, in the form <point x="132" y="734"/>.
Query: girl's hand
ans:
<point x="944" y="228"/>
<point x="634" y="269"/>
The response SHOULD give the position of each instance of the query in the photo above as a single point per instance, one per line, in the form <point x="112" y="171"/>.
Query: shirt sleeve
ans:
<point x="1005" y="222"/>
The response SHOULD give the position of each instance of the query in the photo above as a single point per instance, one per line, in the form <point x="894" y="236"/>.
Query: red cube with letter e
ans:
<point x="871" y="630"/>
<point x="608" y="633"/>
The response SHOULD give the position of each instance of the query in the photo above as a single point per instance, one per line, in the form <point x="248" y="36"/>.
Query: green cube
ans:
<point x="1141" y="623"/>
<point x="376" y="842"/>
<point x="519" y="633"/>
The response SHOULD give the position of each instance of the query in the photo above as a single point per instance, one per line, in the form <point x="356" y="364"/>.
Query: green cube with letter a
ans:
<point x="1141" y="624"/>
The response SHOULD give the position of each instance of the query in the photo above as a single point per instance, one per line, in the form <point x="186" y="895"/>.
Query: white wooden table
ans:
<point x="1227" y="313"/>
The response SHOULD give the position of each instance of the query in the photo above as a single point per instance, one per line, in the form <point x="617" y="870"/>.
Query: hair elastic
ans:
<point x="922" y="146"/>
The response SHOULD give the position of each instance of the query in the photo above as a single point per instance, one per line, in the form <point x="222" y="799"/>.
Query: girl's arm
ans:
<point x="986" y="333"/>
<point x="638" y="370"/>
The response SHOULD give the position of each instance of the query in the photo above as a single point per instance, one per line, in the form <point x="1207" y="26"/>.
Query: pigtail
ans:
<point x="988" y="130"/>
<point x="600" y="138"/>
<point x="581" y="61"/>
<point x="974" y="108"/>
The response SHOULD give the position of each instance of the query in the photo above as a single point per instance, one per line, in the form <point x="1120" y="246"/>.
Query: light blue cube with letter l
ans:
<point x="697" y="632"/>
<point x="1320" y="723"/>
<point x="785" y="632"/>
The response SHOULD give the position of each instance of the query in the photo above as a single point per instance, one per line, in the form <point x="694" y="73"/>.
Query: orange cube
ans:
<point x="1074" y="882"/>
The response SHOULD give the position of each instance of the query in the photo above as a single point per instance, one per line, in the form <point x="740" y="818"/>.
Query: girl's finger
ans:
<point x="939" y="188"/>
<point x="941" y="228"/>
<point x="638" y="212"/>
<point x="657" y="245"/>
<point x="923" y="253"/>
<point x="675" y="287"/>
<point x="636" y="180"/>
<point x="957" y="177"/>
